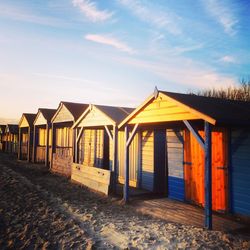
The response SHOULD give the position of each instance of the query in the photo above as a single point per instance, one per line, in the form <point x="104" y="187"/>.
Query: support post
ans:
<point x="28" y="145"/>
<point x="19" y="144"/>
<point x="208" y="177"/>
<point x="126" y="166"/>
<point x="114" y="163"/>
<point x="76" y="139"/>
<point x="53" y="143"/>
<point x="34" y="145"/>
<point x="47" y="146"/>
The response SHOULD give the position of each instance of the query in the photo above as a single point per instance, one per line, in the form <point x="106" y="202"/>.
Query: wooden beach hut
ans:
<point x="26" y="136"/>
<point x="42" y="136"/>
<point x="192" y="149"/>
<point x="96" y="146"/>
<point x="11" y="138"/>
<point x="62" y="136"/>
<point x="2" y="137"/>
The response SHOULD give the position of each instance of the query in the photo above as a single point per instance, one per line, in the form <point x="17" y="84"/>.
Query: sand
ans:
<point x="40" y="210"/>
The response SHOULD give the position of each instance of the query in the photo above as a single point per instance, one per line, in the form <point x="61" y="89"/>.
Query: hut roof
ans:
<point x="222" y="110"/>
<point x="76" y="109"/>
<point x="13" y="128"/>
<point x="117" y="114"/>
<point x="47" y="113"/>
<point x="30" y="118"/>
<point x="215" y="110"/>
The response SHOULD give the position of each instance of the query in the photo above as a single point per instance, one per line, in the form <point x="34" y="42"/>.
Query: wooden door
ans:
<point x="194" y="169"/>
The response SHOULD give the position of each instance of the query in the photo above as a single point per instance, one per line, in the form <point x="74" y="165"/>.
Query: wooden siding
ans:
<point x="24" y="123"/>
<point x="63" y="115"/>
<point x="160" y="110"/>
<point x="147" y="160"/>
<point x="95" y="118"/>
<point x="40" y="120"/>
<point x="42" y="136"/>
<point x="94" y="178"/>
<point x="240" y="189"/>
<point x="194" y="169"/>
<point x="64" y="137"/>
<point x="175" y="157"/>
<point x="133" y="160"/>
<point x="62" y="163"/>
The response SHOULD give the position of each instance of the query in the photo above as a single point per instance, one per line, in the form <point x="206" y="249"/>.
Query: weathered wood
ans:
<point x="34" y="145"/>
<point x="63" y="115"/>
<point x="47" y="146"/>
<point x="126" y="164"/>
<point x="94" y="178"/>
<point x="19" y="144"/>
<point x="208" y="176"/>
<point x="114" y="158"/>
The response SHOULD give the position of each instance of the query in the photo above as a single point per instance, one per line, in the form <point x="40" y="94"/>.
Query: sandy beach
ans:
<point x="40" y="210"/>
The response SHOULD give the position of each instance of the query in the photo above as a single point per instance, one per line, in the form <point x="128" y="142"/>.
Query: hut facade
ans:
<point x="2" y="137"/>
<point x="62" y="136"/>
<point x="96" y="146"/>
<point x="11" y="138"/>
<point x="42" y="136"/>
<point x="26" y="136"/>
<point x="193" y="149"/>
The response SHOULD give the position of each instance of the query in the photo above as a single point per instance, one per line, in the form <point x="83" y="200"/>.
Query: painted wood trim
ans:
<point x="208" y="176"/>
<point x="195" y="134"/>
<point x="108" y="132"/>
<point x="126" y="166"/>
<point x="131" y="137"/>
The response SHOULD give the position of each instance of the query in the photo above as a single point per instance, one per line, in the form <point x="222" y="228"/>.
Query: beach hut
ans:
<point x="11" y="138"/>
<point x="42" y="136"/>
<point x="96" y="146"/>
<point x="26" y="136"/>
<point x="192" y="149"/>
<point x="62" y="136"/>
<point x="2" y="137"/>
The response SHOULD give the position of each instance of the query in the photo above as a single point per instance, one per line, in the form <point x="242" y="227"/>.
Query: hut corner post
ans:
<point x="19" y="144"/>
<point x="126" y="162"/>
<point x="47" y="146"/>
<point x="208" y="177"/>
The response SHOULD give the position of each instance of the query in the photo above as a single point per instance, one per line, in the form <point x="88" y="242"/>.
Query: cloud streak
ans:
<point x="91" y="12"/>
<point x="154" y="16"/>
<point x="110" y="41"/>
<point x="228" y="59"/>
<point x="222" y="14"/>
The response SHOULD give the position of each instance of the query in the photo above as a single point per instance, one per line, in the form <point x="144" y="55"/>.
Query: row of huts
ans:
<point x="185" y="147"/>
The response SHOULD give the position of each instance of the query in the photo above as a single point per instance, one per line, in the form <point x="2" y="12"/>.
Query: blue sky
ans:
<point x="115" y="51"/>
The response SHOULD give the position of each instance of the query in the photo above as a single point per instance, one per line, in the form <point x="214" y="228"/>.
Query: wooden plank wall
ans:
<point x="147" y="160"/>
<point x="94" y="178"/>
<point x="134" y="163"/>
<point x="240" y="148"/>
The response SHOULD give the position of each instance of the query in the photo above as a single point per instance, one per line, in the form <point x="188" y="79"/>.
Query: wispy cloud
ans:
<point x="153" y="15"/>
<point x="189" y="75"/>
<point x="91" y="12"/>
<point x="223" y="14"/>
<point x="25" y="15"/>
<point x="228" y="59"/>
<point x="110" y="41"/>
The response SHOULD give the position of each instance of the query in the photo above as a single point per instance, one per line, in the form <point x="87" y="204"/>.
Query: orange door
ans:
<point x="194" y="169"/>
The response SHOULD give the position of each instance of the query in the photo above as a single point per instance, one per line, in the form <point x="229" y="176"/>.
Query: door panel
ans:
<point x="194" y="169"/>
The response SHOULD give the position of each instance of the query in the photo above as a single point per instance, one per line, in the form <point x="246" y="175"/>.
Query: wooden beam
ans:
<point x="208" y="176"/>
<point x="53" y="143"/>
<point x="195" y="134"/>
<point x="131" y="137"/>
<point x="77" y="138"/>
<point x="28" y="145"/>
<point x="19" y="144"/>
<point x="79" y="135"/>
<point x="108" y="132"/>
<point x="126" y="166"/>
<point x="114" y="163"/>
<point x="47" y="146"/>
<point x="34" y="145"/>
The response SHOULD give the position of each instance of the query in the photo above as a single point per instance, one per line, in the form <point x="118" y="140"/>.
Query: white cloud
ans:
<point x="153" y="15"/>
<point x="228" y="59"/>
<point x="90" y="10"/>
<point x="223" y="14"/>
<point x="110" y="41"/>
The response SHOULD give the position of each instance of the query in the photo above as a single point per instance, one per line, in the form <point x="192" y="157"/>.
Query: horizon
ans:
<point x="115" y="52"/>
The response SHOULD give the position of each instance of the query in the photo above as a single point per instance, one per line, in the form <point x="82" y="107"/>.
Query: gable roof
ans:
<point x="2" y="128"/>
<point x="29" y="117"/>
<point x="47" y="113"/>
<point x="211" y="109"/>
<point x="116" y="114"/>
<point x="13" y="128"/>
<point x="76" y="109"/>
